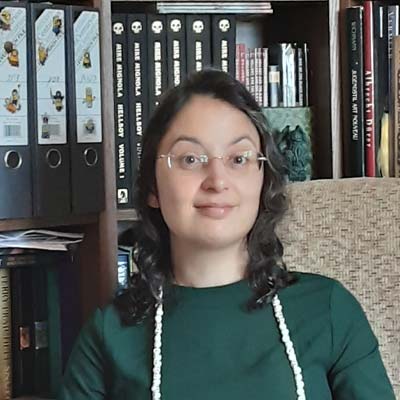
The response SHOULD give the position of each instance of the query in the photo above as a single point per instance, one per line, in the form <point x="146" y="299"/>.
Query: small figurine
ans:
<point x="57" y="24"/>
<point x="295" y="146"/>
<point x="12" y="54"/>
<point x="89" y="98"/>
<point x="12" y="104"/>
<point x="45" y="127"/>
<point x="42" y="54"/>
<point x="89" y="126"/>
<point x="5" y="20"/>
<point x="86" y="62"/>
<point x="57" y="100"/>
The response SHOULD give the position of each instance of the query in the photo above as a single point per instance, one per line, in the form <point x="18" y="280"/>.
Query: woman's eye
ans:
<point x="188" y="161"/>
<point x="240" y="159"/>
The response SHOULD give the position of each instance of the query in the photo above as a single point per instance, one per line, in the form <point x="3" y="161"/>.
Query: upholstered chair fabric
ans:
<point x="349" y="229"/>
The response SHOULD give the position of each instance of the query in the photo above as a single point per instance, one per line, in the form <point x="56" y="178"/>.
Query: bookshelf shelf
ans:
<point x="36" y="223"/>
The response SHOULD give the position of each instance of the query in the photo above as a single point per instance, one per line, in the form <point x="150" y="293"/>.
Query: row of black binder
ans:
<point x="51" y="161"/>
<point x="151" y="53"/>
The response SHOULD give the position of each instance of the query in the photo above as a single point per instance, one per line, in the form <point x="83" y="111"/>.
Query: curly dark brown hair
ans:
<point x="266" y="272"/>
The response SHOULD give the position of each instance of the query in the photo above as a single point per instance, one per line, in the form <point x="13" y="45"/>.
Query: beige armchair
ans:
<point x="349" y="229"/>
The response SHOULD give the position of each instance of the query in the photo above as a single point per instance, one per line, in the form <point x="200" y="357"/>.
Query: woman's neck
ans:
<point x="204" y="267"/>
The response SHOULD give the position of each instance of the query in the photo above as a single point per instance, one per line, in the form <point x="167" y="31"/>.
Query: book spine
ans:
<point x="40" y="333"/>
<point x="121" y="113"/>
<point x="395" y="140"/>
<point x="288" y="75"/>
<point x="5" y="335"/>
<point x="138" y="95"/>
<point x="256" y="74"/>
<point x="355" y="92"/>
<point x="22" y="335"/>
<point x="300" y="77"/>
<point x="237" y="63"/>
<point x="380" y="85"/>
<point x="157" y="58"/>
<point x="198" y="43"/>
<point x="392" y="31"/>
<point x="369" y="90"/>
<point x="265" y="63"/>
<point x="247" y="67"/>
<point x="274" y="85"/>
<point x="252" y="72"/>
<point x="306" y="87"/>
<point x="176" y="49"/>
<point x="223" y="32"/>
<point x="54" y="329"/>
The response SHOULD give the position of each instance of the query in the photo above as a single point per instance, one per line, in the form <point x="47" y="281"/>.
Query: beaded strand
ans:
<point x="285" y="336"/>
<point x="287" y="341"/>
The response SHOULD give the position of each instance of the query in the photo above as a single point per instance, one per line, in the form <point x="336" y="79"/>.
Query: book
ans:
<point x="123" y="165"/>
<point x="395" y="139"/>
<point x="198" y="42"/>
<point x="176" y="49"/>
<point x="5" y="336"/>
<point x="355" y="96"/>
<point x="223" y="36"/>
<point x="157" y="58"/>
<point x="138" y="87"/>
<point x="369" y="90"/>
<point x="208" y="7"/>
<point x="22" y="334"/>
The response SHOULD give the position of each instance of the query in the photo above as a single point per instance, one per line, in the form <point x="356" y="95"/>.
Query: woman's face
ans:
<point x="215" y="205"/>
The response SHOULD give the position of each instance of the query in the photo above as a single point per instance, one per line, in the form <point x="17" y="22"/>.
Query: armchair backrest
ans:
<point x="349" y="229"/>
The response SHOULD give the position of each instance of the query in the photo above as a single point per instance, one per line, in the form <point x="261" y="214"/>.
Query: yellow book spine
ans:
<point x="5" y="335"/>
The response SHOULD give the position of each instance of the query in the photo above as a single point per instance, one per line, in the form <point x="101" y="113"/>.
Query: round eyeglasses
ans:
<point x="238" y="162"/>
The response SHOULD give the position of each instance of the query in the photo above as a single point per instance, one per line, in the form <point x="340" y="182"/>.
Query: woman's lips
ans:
<point x="217" y="211"/>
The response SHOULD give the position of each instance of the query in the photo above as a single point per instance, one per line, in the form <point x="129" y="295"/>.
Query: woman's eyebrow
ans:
<point x="186" y="139"/>
<point x="244" y="137"/>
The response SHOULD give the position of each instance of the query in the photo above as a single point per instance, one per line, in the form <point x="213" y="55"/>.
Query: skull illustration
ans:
<point x="118" y="28"/>
<point x="198" y="26"/>
<point x="224" y="25"/>
<point x="176" y="25"/>
<point x="157" y="26"/>
<point x="136" y="27"/>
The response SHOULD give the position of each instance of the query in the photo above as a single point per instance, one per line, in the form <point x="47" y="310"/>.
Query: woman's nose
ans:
<point x="215" y="175"/>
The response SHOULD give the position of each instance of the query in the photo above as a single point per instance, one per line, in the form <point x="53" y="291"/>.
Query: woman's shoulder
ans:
<point x="314" y="289"/>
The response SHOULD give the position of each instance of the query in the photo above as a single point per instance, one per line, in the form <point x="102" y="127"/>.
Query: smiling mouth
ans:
<point x="214" y="210"/>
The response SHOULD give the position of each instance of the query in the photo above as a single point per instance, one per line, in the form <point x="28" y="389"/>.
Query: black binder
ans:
<point x="15" y="155"/>
<point x="51" y="165"/>
<point x="84" y="112"/>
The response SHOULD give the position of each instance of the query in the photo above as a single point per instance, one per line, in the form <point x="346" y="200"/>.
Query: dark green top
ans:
<point x="213" y="349"/>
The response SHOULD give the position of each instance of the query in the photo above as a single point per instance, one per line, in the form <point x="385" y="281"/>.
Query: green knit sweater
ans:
<point x="213" y="349"/>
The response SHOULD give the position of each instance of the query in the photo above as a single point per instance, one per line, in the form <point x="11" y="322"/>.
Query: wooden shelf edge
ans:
<point x="37" y="223"/>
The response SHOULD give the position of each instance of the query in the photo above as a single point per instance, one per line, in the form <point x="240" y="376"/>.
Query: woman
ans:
<point x="213" y="313"/>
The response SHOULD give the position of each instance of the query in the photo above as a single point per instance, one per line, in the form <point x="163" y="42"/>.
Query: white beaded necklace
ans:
<point x="285" y="336"/>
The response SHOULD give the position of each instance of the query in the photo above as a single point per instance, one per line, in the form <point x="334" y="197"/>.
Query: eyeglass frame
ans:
<point x="205" y="159"/>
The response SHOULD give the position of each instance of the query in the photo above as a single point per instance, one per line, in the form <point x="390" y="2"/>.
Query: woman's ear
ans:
<point x="152" y="201"/>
